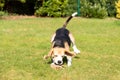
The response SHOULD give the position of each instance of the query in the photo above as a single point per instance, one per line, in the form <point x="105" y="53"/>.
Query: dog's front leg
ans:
<point x="69" y="61"/>
<point x="49" y="54"/>
<point x="76" y="50"/>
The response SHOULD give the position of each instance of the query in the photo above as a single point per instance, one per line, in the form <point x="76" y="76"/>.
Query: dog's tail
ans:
<point x="65" y="24"/>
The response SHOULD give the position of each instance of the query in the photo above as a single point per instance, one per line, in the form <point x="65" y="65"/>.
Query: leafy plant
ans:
<point x="2" y="4"/>
<point x="95" y="10"/>
<point x="110" y="6"/>
<point x="3" y="13"/>
<point x="118" y="9"/>
<point x="53" y="8"/>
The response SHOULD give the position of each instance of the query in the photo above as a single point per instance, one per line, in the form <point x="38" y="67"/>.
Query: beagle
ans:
<point x="61" y="42"/>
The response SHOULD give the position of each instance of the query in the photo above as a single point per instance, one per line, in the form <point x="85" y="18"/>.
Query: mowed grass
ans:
<point x="24" y="42"/>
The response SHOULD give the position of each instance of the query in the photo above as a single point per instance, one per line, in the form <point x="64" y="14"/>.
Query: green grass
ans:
<point x="24" y="42"/>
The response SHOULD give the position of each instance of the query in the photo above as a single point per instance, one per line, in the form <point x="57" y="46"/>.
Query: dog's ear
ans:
<point x="69" y="53"/>
<point x="49" y="54"/>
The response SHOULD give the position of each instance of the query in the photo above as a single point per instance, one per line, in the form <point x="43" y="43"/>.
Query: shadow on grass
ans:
<point x="77" y="57"/>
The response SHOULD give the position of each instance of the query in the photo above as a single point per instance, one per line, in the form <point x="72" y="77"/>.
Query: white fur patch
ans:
<point x="69" y="63"/>
<point x="57" y="59"/>
<point x="74" y="14"/>
<point x="75" y="49"/>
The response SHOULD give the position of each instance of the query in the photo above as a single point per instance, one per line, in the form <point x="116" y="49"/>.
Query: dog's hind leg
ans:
<point x="76" y="50"/>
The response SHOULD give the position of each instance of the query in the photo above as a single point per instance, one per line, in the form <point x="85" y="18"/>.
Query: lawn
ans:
<point x="24" y="42"/>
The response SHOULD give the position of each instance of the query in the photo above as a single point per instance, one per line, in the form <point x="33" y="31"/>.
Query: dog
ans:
<point x="61" y="42"/>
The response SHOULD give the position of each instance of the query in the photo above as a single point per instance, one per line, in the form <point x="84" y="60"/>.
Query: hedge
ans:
<point x="61" y="8"/>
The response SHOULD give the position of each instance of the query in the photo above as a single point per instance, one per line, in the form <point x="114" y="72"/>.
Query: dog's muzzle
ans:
<point x="57" y="62"/>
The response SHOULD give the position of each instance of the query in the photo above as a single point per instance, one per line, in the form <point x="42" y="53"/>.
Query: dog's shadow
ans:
<point x="76" y="57"/>
<point x="50" y="61"/>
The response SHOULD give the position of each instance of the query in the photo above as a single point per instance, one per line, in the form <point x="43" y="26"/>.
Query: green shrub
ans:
<point x="110" y="7"/>
<point x="2" y="3"/>
<point x="95" y="10"/>
<point x="41" y="12"/>
<point x="72" y="6"/>
<point x="1" y="13"/>
<point x="58" y="8"/>
<point x="98" y="11"/>
<point x="101" y="13"/>
<point x="53" y="8"/>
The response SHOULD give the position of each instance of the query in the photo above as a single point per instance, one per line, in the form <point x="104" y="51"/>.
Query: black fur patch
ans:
<point x="62" y="35"/>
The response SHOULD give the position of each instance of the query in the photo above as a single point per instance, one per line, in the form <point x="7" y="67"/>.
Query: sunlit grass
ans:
<point x="24" y="42"/>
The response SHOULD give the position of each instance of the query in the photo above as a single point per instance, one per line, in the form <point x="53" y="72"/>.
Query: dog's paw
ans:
<point x="76" y="50"/>
<point x="45" y="57"/>
<point x="69" y="64"/>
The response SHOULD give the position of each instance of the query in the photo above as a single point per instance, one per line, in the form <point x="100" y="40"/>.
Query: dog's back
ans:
<point x="62" y="35"/>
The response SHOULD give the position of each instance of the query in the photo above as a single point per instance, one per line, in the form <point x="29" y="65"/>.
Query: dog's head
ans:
<point x="58" y="54"/>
